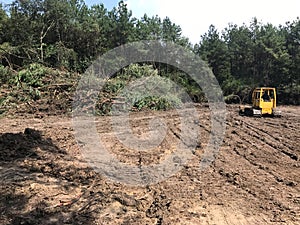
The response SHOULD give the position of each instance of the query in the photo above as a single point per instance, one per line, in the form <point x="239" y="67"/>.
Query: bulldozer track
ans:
<point x="271" y="140"/>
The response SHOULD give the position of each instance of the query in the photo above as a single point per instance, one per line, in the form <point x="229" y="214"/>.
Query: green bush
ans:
<point x="5" y="74"/>
<point x="135" y="71"/>
<point x="157" y="103"/>
<point x="32" y="76"/>
<point x="114" y="86"/>
<point x="139" y="87"/>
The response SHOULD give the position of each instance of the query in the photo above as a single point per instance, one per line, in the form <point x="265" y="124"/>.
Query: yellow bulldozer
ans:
<point x="263" y="103"/>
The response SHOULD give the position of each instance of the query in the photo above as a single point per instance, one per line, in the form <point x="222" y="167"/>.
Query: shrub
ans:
<point x="31" y="76"/>
<point x="5" y="74"/>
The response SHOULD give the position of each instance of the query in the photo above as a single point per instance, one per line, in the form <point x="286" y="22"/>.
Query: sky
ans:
<point x="195" y="16"/>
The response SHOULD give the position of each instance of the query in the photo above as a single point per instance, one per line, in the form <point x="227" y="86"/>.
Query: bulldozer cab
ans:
<point x="264" y="99"/>
<point x="263" y="103"/>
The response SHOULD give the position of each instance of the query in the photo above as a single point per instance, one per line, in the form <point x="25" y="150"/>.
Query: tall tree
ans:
<point x="240" y="47"/>
<point x="148" y="28"/>
<point x="215" y="51"/>
<point x="292" y="38"/>
<point x="121" y="25"/>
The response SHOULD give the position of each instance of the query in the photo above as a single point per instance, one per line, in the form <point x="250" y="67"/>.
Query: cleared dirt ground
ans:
<point x="255" y="178"/>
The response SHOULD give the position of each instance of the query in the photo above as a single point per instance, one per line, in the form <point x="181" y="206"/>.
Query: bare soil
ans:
<point x="255" y="178"/>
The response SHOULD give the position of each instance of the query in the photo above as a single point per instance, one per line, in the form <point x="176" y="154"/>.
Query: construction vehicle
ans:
<point x="263" y="103"/>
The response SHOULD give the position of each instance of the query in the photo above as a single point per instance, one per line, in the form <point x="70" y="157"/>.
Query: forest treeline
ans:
<point x="68" y="35"/>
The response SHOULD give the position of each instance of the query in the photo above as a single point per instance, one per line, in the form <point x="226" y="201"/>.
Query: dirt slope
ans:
<point x="255" y="178"/>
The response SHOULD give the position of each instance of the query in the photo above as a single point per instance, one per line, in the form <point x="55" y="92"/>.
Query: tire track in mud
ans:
<point x="229" y="176"/>
<point x="283" y="124"/>
<point x="277" y="138"/>
<point x="266" y="152"/>
<point x="250" y="188"/>
<point x="283" y="146"/>
<point x="272" y="141"/>
<point x="258" y="151"/>
<point x="281" y="129"/>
